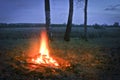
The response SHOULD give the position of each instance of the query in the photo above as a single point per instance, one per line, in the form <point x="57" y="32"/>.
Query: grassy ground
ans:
<point x="97" y="59"/>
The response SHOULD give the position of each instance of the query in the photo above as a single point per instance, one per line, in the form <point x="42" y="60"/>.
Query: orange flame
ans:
<point x="44" y="57"/>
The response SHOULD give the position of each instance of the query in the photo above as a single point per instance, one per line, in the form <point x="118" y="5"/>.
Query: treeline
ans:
<point x="20" y="25"/>
<point x="28" y="25"/>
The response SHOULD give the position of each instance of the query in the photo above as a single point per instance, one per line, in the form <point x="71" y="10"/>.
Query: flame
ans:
<point x="44" y="56"/>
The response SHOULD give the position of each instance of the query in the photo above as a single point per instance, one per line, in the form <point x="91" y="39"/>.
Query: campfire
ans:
<point x="42" y="60"/>
<point x="43" y="56"/>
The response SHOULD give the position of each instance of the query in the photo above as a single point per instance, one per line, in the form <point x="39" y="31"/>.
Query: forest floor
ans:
<point x="96" y="59"/>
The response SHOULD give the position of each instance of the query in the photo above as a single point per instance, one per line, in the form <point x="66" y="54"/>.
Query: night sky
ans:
<point x="32" y="11"/>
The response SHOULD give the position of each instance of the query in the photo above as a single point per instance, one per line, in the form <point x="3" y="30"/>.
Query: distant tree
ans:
<point x="96" y="26"/>
<point x="69" y="22"/>
<point x="47" y="17"/>
<point x="116" y="24"/>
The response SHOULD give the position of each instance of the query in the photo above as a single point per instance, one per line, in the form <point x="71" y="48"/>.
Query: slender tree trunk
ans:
<point x="47" y="17"/>
<point x="69" y="23"/>
<point x="85" y="19"/>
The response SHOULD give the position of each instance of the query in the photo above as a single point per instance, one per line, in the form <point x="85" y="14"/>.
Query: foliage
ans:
<point x="38" y="25"/>
<point x="116" y="24"/>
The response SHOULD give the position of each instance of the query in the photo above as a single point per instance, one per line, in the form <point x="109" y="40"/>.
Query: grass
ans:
<point x="97" y="59"/>
<point x="58" y="32"/>
<point x="87" y="59"/>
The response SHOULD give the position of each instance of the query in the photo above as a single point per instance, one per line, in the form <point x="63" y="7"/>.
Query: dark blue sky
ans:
<point x="32" y="11"/>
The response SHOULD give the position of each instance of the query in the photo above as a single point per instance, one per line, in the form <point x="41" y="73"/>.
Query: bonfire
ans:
<point x="43" y="57"/>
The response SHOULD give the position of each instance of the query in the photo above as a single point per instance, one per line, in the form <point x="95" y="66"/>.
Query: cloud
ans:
<point x="113" y="8"/>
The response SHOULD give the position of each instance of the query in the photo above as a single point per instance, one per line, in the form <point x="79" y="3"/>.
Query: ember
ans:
<point x="44" y="56"/>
